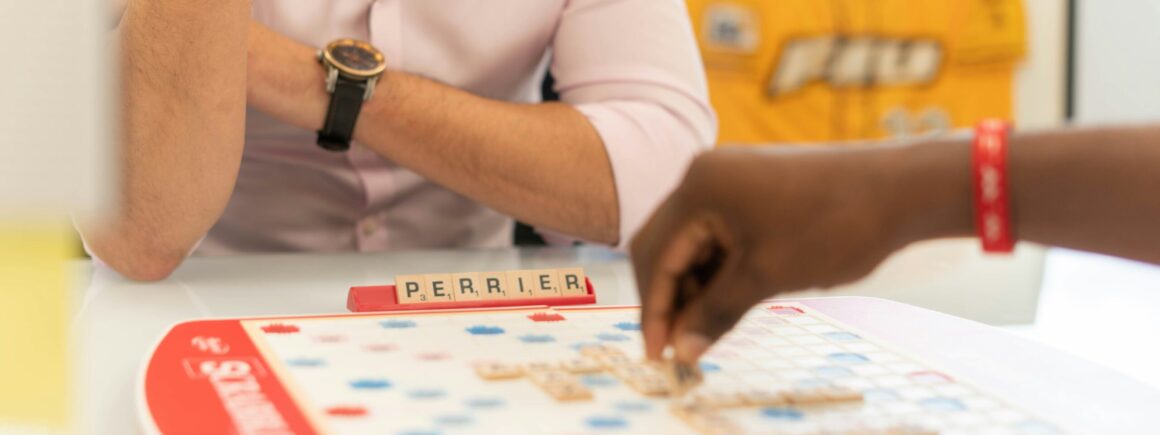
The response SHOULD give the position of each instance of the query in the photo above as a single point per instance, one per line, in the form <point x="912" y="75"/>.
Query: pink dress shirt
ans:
<point x="630" y="66"/>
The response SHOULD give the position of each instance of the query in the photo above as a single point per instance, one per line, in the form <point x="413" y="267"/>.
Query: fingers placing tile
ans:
<point x="681" y="377"/>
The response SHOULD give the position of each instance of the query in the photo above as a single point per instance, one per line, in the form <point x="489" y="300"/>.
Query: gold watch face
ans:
<point x="355" y="58"/>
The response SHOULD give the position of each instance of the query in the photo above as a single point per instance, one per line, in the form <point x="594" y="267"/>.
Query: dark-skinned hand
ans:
<point x="748" y="224"/>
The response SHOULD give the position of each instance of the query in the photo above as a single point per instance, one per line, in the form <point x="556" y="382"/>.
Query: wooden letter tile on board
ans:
<point x="571" y="282"/>
<point x="546" y="282"/>
<point x="494" y="285"/>
<point x="467" y="286"/>
<point x="521" y="284"/>
<point x="411" y="289"/>
<point x="440" y="287"/>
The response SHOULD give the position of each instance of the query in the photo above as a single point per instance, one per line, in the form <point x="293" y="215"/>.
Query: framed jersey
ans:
<point x="810" y="71"/>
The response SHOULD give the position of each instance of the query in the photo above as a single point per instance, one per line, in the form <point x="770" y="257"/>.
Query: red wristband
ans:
<point x="989" y="177"/>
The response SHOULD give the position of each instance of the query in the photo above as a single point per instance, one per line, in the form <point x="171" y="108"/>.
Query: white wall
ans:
<point x="1118" y="60"/>
<point x="1040" y="84"/>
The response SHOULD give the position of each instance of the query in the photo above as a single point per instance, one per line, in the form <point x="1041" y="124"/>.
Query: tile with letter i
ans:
<point x="521" y="284"/>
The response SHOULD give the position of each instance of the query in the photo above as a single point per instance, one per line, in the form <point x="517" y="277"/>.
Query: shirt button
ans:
<point x="368" y="227"/>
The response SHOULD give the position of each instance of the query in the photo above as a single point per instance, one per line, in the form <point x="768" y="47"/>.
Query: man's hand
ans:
<point x="748" y="224"/>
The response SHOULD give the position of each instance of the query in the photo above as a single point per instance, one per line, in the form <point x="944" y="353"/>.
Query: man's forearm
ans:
<point x="1090" y="189"/>
<point x="542" y="163"/>
<point x="183" y="119"/>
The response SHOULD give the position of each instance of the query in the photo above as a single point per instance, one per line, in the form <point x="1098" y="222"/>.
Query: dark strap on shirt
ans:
<point x="345" y="105"/>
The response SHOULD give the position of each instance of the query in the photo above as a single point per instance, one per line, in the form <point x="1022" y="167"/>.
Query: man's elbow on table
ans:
<point x="138" y="260"/>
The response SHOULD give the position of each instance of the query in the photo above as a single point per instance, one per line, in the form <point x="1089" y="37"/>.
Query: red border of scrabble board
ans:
<point x="173" y="398"/>
<point x="363" y="299"/>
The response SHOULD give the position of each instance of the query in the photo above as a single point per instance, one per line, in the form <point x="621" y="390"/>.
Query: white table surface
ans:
<point x="1086" y="339"/>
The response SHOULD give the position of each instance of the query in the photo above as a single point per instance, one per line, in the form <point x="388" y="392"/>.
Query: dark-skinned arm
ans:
<point x="748" y="224"/>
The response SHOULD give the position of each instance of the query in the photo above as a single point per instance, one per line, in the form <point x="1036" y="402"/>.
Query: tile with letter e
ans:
<point x="571" y="281"/>
<point x="494" y="285"/>
<point x="411" y="289"/>
<point x="440" y="287"/>
<point x="546" y="282"/>
<point x="466" y="286"/>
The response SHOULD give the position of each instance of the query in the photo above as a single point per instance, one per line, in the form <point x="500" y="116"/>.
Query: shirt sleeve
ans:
<point x="633" y="69"/>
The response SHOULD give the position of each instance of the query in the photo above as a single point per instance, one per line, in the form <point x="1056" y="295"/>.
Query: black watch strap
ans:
<point x="345" y="104"/>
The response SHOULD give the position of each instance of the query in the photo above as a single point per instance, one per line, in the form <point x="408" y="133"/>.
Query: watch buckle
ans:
<point x="370" y="88"/>
<point x="331" y="79"/>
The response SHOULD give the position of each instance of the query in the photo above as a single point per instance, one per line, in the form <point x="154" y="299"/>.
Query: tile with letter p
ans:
<point x="411" y="289"/>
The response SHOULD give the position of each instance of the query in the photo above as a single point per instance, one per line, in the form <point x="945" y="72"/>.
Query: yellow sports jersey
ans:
<point x="813" y="70"/>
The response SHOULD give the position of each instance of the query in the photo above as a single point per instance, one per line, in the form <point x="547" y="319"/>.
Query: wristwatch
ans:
<point x="352" y="69"/>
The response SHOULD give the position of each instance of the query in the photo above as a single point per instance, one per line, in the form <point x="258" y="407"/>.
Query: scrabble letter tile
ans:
<point x="466" y="286"/>
<point x="540" y="366"/>
<point x="495" y="285"/>
<point x="595" y="350"/>
<point x="440" y="287"/>
<point x="546" y="282"/>
<point x="763" y="398"/>
<point x="718" y="399"/>
<point x="411" y="289"/>
<point x="493" y="371"/>
<point x="806" y="396"/>
<point x="568" y="391"/>
<point x="571" y="282"/>
<point x="582" y="365"/>
<point x="544" y="378"/>
<point x="613" y="360"/>
<point x="521" y="284"/>
<point x="628" y="372"/>
<point x="842" y="394"/>
<point x="654" y="385"/>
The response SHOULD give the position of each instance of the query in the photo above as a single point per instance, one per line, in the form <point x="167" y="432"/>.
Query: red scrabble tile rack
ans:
<point x="386" y="298"/>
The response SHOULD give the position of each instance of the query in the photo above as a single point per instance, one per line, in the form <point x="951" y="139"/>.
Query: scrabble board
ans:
<point x="785" y="369"/>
